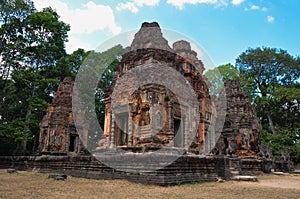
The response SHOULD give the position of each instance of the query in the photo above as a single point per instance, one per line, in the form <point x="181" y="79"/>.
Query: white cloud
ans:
<point x="74" y="43"/>
<point x="90" y="18"/>
<point x="141" y="3"/>
<point x="271" y="19"/>
<point x="254" y="7"/>
<point x="237" y="2"/>
<point x="128" y="6"/>
<point x="180" y="3"/>
<point x="134" y="5"/>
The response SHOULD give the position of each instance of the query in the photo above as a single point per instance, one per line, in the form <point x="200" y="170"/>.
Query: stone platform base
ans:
<point x="245" y="178"/>
<point x="185" y="169"/>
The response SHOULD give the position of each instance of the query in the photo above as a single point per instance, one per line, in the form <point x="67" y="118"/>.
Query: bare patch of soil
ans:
<point x="286" y="181"/>
<point x="37" y="185"/>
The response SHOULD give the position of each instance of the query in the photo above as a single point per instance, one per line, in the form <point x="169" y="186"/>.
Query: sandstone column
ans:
<point x="107" y="121"/>
<point x="170" y="116"/>
<point x="186" y="131"/>
<point x="129" y="129"/>
<point x="112" y="132"/>
<point x="201" y="135"/>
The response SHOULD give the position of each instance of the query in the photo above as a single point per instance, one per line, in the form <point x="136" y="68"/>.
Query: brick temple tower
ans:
<point x="151" y="116"/>
<point x="58" y="133"/>
<point x="241" y="131"/>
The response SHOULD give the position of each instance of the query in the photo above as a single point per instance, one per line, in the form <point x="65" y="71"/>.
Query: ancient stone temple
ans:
<point x="58" y="133"/>
<point x="241" y="131"/>
<point x="152" y="116"/>
<point x="149" y="107"/>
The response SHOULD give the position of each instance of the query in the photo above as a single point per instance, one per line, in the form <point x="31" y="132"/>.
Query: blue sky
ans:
<point x="224" y="28"/>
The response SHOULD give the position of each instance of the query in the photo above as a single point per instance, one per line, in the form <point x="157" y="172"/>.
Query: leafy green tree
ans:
<point x="32" y="63"/>
<point x="218" y="75"/>
<point x="98" y="67"/>
<point x="13" y="14"/>
<point x="41" y="37"/>
<point x="68" y="65"/>
<point x="44" y="39"/>
<point x="262" y="70"/>
<point x="104" y="83"/>
<point x="271" y="77"/>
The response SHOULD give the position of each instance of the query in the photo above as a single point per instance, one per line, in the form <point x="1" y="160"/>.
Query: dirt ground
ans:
<point x="37" y="185"/>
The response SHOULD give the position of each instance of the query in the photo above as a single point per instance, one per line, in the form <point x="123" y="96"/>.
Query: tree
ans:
<point x="261" y="71"/>
<point x="94" y="76"/>
<point x="13" y="14"/>
<point x="106" y="61"/>
<point x="104" y="83"/>
<point x="68" y="65"/>
<point x="271" y="77"/>
<point x="44" y="46"/>
<point x="218" y="75"/>
<point x="40" y="44"/>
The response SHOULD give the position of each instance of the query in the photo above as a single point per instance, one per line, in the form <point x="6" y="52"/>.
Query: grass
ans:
<point x="37" y="185"/>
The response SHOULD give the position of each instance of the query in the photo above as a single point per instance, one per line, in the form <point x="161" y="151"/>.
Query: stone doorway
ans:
<point x="122" y="132"/>
<point x="73" y="143"/>
<point x="178" y="133"/>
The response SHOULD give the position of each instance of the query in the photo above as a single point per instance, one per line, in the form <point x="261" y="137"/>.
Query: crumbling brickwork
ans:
<point x="150" y="118"/>
<point x="58" y="133"/>
<point x="241" y="131"/>
<point x="151" y="115"/>
<point x="155" y="117"/>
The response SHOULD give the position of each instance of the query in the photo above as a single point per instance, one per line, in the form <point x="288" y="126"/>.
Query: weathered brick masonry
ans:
<point x="154" y="121"/>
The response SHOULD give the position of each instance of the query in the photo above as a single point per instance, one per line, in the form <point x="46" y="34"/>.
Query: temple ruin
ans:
<point x="151" y="116"/>
<point x="58" y="134"/>
<point x="241" y="130"/>
<point x="155" y="117"/>
<point x="143" y="115"/>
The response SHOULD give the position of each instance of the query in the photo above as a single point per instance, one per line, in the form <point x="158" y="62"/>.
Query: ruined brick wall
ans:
<point x="241" y="132"/>
<point x="57" y="129"/>
<point x="149" y="48"/>
<point x="186" y="169"/>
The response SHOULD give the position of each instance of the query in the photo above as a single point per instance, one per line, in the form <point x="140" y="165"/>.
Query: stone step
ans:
<point x="279" y="173"/>
<point x="235" y="172"/>
<point x="245" y="178"/>
<point x="11" y="170"/>
<point x="296" y="172"/>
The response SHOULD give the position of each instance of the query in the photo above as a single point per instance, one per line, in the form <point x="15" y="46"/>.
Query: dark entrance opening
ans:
<point x="178" y="142"/>
<point x="226" y="145"/>
<point x="122" y="137"/>
<point x="72" y="143"/>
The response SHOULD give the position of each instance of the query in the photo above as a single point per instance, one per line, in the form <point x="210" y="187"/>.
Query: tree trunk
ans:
<point x="27" y="119"/>
<point x="29" y="109"/>
<point x="264" y="95"/>
<point x="26" y="129"/>
<point x="35" y="144"/>
<point x="271" y="123"/>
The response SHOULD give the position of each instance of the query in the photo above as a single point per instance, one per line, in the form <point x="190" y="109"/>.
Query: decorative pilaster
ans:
<point x="112" y="132"/>
<point x="130" y="138"/>
<point x="201" y="135"/>
<point x="186" y="132"/>
<point x="170" y="116"/>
